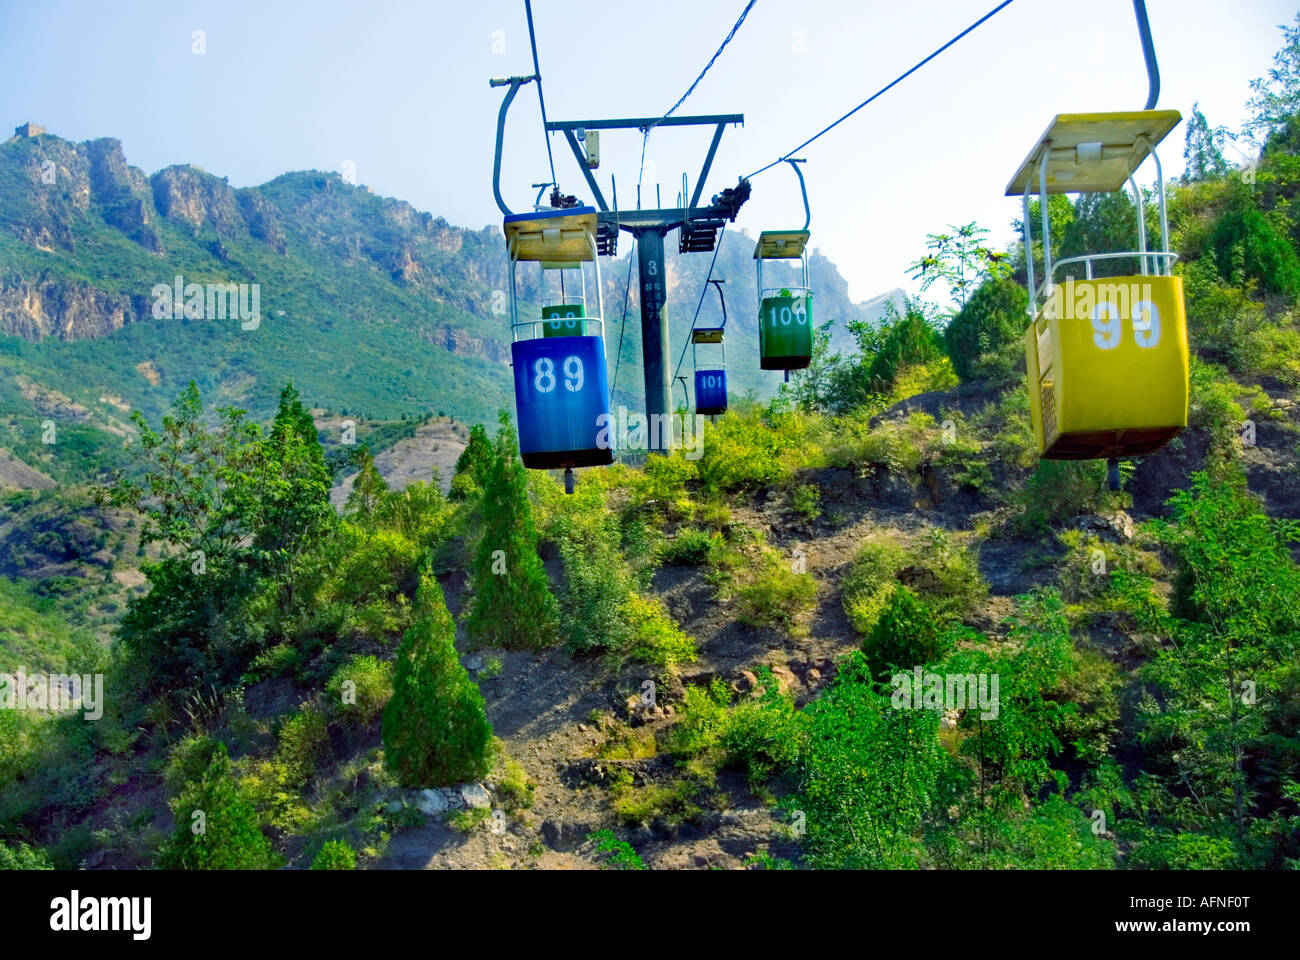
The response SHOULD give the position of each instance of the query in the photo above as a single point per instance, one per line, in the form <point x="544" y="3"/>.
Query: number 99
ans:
<point x="1106" y="332"/>
<point x="1146" y="323"/>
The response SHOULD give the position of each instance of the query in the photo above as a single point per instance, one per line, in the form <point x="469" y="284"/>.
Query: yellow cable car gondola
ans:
<point x="1106" y="357"/>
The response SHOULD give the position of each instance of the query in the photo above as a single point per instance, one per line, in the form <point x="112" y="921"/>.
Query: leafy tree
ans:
<point x="986" y="334"/>
<point x="286" y="496"/>
<point x="905" y="338"/>
<point x="1275" y="98"/>
<point x="1107" y="223"/>
<point x="1060" y="214"/>
<point x="472" y="465"/>
<point x="226" y="834"/>
<point x="1203" y="148"/>
<point x="960" y="259"/>
<point x="1011" y="754"/>
<point x="871" y="777"/>
<point x="186" y="628"/>
<point x="435" y="730"/>
<point x="817" y="386"/>
<point x="239" y="512"/>
<point x="512" y="604"/>
<point x="369" y="487"/>
<point x="1223" y="693"/>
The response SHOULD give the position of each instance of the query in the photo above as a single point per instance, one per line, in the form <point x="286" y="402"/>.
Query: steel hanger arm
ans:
<point x="1149" y="53"/>
<point x="803" y="188"/>
<point x="514" y="83"/>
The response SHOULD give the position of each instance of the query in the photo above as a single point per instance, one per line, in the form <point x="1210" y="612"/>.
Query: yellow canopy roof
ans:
<point x="781" y="244"/>
<point x="1093" y="152"/>
<point x="559" y="237"/>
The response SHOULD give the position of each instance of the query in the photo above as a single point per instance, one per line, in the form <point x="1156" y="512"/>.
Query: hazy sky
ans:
<point x="400" y="91"/>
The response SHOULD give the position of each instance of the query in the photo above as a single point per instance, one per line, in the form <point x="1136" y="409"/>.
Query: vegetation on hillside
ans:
<point x="781" y="624"/>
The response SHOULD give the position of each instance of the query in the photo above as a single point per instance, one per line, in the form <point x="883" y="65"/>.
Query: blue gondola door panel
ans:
<point x="710" y="392"/>
<point x="562" y="401"/>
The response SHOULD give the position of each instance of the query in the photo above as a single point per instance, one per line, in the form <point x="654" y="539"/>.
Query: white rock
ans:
<point x="475" y="796"/>
<point x="432" y="803"/>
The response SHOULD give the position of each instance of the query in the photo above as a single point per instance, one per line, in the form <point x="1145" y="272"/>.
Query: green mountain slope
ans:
<point x="369" y="305"/>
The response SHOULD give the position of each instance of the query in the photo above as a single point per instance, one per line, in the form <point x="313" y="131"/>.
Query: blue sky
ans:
<point x="400" y="91"/>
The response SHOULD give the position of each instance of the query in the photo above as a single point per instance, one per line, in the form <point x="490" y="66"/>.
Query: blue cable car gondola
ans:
<point x="711" y="381"/>
<point x="561" y="385"/>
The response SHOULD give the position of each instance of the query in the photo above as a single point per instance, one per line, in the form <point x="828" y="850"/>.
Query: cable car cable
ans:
<point x="646" y="133"/>
<point x="885" y="89"/>
<point x="541" y="100"/>
<point x="743" y="14"/>
<point x="618" y="359"/>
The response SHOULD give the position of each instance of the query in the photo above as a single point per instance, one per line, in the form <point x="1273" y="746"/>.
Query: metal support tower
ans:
<point x="698" y="224"/>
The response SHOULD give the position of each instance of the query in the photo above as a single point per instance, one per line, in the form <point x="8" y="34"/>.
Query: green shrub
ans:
<point x="378" y="564"/>
<point x="1246" y="247"/>
<point x="906" y="635"/>
<point x="304" y="742"/>
<point x="897" y="444"/>
<point x="806" y="501"/>
<point x="655" y="638"/>
<point x="188" y="759"/>
<point x="514" y="787"/>
<point x="621" y="854"/>
<point x="906" y="338"/>
<point x="988" y="331"/>
<point x="691" y="547"/>
<point x="335" y="855"/>
<point x="435" y="729"/>
<point x="868" y="776"/>
<point x="1060" y="489"/>
<point x="751" y="447"/>
<point x="1157" y="849"/>
<point x="867" y="587"/>
<point x="472" y="466"/>
<point x="22" y="857"/>
<point x="945" y="576"/>
<point x="598" y="578"/>
<point x="512" y="605"/>
<point x="216" y="825"/>
<point x="762" y="734"/>
<point x="360" y="688"/>
<point x="777" y="597"/>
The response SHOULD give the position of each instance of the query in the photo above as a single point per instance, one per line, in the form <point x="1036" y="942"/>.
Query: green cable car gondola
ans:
<point x="785" y="332"/>
<point x="562" y="315"/>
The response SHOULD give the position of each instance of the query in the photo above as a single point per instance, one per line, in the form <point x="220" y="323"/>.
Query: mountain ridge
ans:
<point x="370" y="306"/>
